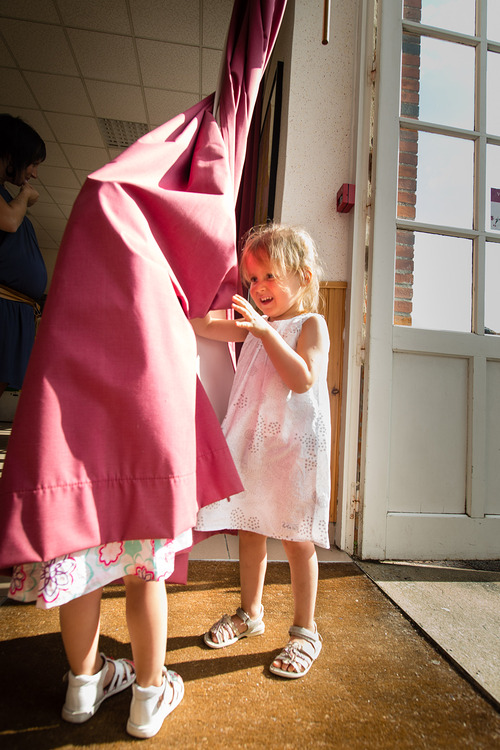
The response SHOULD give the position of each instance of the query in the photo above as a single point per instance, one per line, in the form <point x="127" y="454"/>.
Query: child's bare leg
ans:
<point x="91" y="679"/>
<point x="147" y="625"/>
<point x="253" y="566"/>
<point x="304" y="577"/>
<point x="80" y="621"/>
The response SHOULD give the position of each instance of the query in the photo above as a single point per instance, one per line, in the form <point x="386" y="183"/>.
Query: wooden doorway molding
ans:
<point x="333" y="294"/>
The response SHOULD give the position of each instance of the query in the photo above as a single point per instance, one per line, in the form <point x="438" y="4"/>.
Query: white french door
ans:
<point x="430" y="457"/>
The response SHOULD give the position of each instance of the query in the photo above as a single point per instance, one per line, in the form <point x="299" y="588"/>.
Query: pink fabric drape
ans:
<point x="114" y="437"/>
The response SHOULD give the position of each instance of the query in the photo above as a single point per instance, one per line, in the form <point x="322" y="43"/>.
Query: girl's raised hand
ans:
<point x="252" y="321"/>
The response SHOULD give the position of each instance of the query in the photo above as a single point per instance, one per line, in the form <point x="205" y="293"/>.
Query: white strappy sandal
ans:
<point x="298" y="654"/>
<point x="85" y="693"/>
<point x="149" y="708"/>
<point x="227" y="633"/>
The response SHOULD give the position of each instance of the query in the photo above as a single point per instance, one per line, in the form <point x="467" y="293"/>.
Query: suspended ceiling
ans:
<point x="68" y="65"/>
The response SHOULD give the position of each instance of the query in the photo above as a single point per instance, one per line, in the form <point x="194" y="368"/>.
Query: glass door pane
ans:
<point x="443" y="169"/>
<point x="493" y="101"/>
<point x="493" y="20"/>
<point x="442" y="287"/>
<point x="447" y="83"/>
<point x="493" y="188"/>
<point x="437" y="81"/>
<point x="454" y="15"/>
<point x="433" y="281"/>
<point x="492" y="297"/>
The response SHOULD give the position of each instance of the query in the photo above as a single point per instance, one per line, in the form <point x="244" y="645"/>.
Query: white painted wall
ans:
<point x="316" y="149"/>
<point x="319" y="137"/>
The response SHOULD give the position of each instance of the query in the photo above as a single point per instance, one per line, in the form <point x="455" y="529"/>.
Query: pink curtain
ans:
<point x="114" y="437"/>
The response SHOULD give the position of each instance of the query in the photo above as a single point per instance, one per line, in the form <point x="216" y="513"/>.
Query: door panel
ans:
<point x="428" y="434"/>
<point x="492" y="500"/>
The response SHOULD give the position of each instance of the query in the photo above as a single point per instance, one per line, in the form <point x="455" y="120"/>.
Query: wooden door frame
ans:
<point x="333" y="294"/>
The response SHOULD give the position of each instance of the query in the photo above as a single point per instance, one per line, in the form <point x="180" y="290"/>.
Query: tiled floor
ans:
<point x="225" y="547"/>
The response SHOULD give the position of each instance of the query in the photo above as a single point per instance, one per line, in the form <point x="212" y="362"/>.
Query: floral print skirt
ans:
<point x="58" y="581"/>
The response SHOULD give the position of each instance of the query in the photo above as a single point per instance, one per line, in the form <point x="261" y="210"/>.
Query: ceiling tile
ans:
<point x="59" y="93"/>
<point x="41" y="209"/>
<point x="50" y="258"/>
<point x="54" y="226"/>
<point x="161" y="19"/>
<point x="63" y="196"/>
<point x="75" y="129"/>
<point x="55" y="156"/>
<point x="66" y="210"/>
<point x="111" y="15"/>
<point x="118" y="101"/>
<point x="13" y="89"/>
<point x="169" y="66"/>
<point x="82" y="174"/>
<point x="105" y="57"/>
<point x="58" y="176"/>
<point x="83" y="157"/>
<point x="216" y="16"/>
<point x="42" y="10"/>
<point x="114" y="152"/>
<point x="164" y="105"/>
<point x="211" y="60"/>
<point x="6" y="59"/>
<point x="38" y="46"/>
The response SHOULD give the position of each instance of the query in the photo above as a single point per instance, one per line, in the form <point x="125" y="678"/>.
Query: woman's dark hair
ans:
<point x="20" y="145"/>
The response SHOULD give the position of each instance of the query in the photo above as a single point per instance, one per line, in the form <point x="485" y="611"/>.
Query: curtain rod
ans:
<point x="326" y="22"/>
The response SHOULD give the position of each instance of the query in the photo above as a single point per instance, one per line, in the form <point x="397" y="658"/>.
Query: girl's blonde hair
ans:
<point x="290" y="250"/>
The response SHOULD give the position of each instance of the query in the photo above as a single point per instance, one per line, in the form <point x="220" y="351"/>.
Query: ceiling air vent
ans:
<point x="121" y="134"/>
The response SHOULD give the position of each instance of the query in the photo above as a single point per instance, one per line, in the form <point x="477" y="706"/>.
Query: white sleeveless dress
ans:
<point x="280" y="443"/>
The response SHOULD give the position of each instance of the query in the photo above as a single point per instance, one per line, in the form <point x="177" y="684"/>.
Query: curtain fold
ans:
<point x="114" y="437"/>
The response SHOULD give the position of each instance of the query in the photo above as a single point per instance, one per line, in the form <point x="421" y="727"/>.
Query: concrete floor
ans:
<point x="457" y="605"/>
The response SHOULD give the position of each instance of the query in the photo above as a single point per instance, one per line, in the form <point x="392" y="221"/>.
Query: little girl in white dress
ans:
<point x="278" y="430"/>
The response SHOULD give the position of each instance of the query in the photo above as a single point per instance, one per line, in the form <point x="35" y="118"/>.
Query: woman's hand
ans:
<point x="29" y="193"/>
<point x="252" y="320"/>
<point x="13" y="212"/>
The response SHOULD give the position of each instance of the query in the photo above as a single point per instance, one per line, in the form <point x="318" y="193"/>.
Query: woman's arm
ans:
<point x="298" y="368"/>
<point x="13" y="213"/>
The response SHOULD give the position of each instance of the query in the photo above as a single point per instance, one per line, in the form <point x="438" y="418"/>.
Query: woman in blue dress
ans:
<point x="23" y="276"/>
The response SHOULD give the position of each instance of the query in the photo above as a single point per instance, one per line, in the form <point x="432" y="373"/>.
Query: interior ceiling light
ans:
<point x="121" y="134"/>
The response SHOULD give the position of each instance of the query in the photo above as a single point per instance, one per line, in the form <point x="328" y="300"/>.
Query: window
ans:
<point x="448" y="212"/>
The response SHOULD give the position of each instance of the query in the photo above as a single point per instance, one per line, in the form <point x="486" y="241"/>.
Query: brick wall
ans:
<point x="408" y="161"/>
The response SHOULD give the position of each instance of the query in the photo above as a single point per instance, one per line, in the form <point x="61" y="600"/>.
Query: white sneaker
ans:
<point x="149" y="707"/>
<point x="85" y="693"/>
